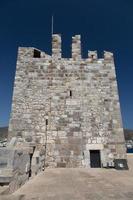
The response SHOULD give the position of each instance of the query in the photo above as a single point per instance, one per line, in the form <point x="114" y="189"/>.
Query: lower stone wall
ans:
<point x="14" y="167"/>
<point x="19" y="161"/>
<point x="73" y="152"/>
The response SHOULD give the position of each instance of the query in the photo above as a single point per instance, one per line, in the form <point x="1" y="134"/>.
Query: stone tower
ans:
<point x="69" y="106"/>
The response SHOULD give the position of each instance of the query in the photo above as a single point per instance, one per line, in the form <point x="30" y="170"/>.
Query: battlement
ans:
<point x="75" y="49"/>
<point x="30" y="52"/>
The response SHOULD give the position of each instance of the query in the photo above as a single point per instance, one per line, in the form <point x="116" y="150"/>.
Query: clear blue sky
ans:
<point x="103" y="25"/>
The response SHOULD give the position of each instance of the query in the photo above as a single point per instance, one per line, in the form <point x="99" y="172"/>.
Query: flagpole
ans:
<point x="52" y="28"/>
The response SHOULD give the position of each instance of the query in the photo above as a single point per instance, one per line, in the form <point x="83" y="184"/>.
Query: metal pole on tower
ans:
<point x="52" y="28"/>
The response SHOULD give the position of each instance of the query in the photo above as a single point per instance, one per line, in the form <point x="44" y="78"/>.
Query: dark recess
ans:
<point x="37" y="54"/>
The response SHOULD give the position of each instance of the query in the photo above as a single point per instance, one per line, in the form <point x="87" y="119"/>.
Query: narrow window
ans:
<point x="46" y="122"/>
<point x="70" y="93"/>
<point x="37" y="54"/>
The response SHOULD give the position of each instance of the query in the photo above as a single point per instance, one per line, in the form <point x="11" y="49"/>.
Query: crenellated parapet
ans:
<point x="92" y="55"/>
<point x="108" y="56"/>
<point x="56" y="46"/>
<point x="30" y="52"/>
<point x="76" y="47"/>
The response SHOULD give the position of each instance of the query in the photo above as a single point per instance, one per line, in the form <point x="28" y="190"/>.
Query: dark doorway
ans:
<point x="95" y="160"/>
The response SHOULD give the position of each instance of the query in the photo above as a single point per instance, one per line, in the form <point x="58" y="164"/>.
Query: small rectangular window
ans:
<point x="70" y="93"/>
<point x="46" y="122"/>
<point x="37" y="54"/>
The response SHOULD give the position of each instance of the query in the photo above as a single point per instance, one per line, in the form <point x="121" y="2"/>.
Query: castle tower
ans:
<point x="69" y="105"/>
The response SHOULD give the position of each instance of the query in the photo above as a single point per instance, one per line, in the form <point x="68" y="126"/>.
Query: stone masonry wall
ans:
<point x="69" y="105"/>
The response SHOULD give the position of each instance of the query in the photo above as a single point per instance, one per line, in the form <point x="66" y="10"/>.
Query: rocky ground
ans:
<point x="78" y="184"/>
